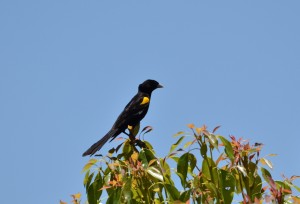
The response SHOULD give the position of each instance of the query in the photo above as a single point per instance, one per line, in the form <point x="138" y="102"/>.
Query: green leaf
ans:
<point x="114" y="197"/>
<point x="146" y="156"/>
<point x="242" y="169"/>
<point x="178" y="133"/>
<point x="152" y="162"/>
<point x="90" y="163"/>
<point x="155" y="187"/>
<point x="157" y="201"/>
<point x="265" y="161"/>
<point x="212" y="187"/>
<point x="148" y="145"/>
<point x="293" y="186"/>
<point x="227" y="185"/>
<point x="153" y="171"/>
<point x="127" y="149"/>
<point x="168" y="180"/>
<point x="90" y="195"/>
<point x="93" y="194"/>
<point x="89" y="180"/>
<point x="203" y="150"/>
<point x="166" y="167"/>
<point x="272" y="155"/>
<point x="256" y="187"/>
<point x="137" y="195"/>
<point x="176" y="144"/>
<point x="209" y="170"/>
<point x="176" y="159"/>
<point x="143" y="158"/>
<point x="196" y="183"/>
<point x="86" y="178"/>
<point x="228" y="147"/>
<point x="284" y="186"/>
<point x="185" y="195"/>
<point x="173" y="192"/>
<point x="126" y="189"/>
<point x="213" y="140"/>
<point x="205" y="170"/>
<point x="149" y="154"/>
<point x="107" y="176"/>
<point x="266" y="174"/>
<point x="182" y="167"/>
<point x="192" y="161"/>
<point x="188" y="144"/>
<point x="238" y="178"/>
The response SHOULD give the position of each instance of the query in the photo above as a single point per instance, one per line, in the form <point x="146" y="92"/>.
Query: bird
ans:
<point x="131" y="116"/>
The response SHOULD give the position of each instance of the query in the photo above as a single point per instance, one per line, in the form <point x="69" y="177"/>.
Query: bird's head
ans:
<point x="149" y="85"/>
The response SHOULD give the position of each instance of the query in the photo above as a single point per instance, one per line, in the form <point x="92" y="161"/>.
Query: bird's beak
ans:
<point x="160" y="86"/>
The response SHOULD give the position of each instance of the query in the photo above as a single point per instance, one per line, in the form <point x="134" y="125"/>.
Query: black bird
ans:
<point x="132" y="114"/>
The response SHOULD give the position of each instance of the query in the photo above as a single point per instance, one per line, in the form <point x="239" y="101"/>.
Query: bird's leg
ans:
<point x="133" y="131"/>
<point x="126" y="133"/>
<point x="131" y="137"/>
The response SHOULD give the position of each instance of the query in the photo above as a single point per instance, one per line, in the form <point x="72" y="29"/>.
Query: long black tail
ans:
<point x="98" y="145"/>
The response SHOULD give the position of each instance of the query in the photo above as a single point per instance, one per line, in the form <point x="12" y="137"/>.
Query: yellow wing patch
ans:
<point x="145" y="100"/>
<point x="129" y="127"/>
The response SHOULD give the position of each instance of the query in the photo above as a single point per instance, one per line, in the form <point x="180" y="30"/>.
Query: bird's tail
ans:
<point x="98" y="145"/>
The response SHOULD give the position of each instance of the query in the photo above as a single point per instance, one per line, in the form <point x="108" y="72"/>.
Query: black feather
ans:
<point x="132" y="114"/>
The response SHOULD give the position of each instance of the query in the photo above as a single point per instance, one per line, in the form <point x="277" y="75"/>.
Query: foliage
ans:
<point x="210" y="167"/>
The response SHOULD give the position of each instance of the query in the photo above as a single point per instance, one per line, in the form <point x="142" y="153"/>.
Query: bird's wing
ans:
<point x="134" y="110"/>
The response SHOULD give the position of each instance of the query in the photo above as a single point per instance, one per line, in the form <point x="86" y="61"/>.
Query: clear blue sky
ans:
<point x="68" y="68"/>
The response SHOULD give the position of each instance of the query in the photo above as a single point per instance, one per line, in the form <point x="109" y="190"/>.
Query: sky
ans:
<point x="68" y="68"/>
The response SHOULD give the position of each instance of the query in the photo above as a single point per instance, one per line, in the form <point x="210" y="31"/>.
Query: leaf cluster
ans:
<point x="211" y="169"/>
